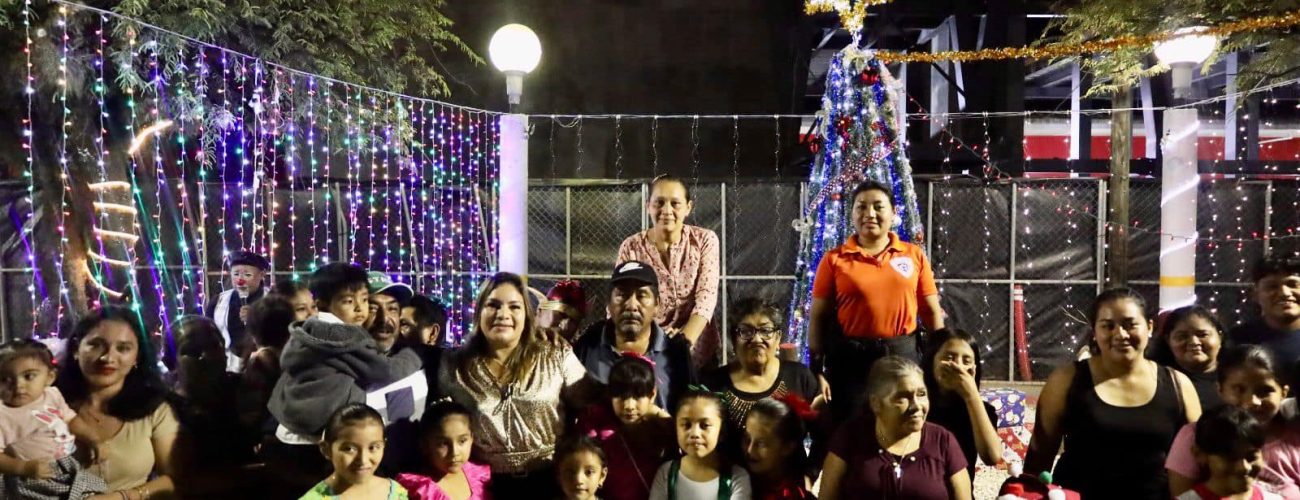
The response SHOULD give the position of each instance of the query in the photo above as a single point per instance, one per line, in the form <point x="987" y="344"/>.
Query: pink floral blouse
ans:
<point x="688" y="282"/>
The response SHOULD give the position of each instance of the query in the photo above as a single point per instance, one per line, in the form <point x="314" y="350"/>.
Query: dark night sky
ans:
<point x="647" y="57"/>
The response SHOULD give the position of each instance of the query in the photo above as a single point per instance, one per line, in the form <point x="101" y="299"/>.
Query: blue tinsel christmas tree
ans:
<point x="860" y="139"/>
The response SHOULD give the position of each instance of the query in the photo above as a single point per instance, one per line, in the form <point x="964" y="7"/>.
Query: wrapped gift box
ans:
<point x="1015" y="411"/>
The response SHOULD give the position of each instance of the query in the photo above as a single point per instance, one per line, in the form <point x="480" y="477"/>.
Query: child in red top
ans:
<point x="1228" y="443"/>
<point x="635" y="434"/>
<point x="773" y="446"/>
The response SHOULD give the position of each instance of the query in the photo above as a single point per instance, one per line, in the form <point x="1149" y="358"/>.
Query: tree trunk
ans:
<point x="1117" y="220"/>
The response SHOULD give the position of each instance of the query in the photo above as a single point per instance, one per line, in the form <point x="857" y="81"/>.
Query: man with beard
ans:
<point x="631" y="327"/>
<point x="386" y="301"/>
<point x="387" y="298"/>
<point x="402" y="402"/>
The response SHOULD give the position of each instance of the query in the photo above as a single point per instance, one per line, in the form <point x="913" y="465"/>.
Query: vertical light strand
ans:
<point x="29" y="136"/>
<point x="100" y="276"/>
<point x="224" y="167"/>
<point x="132" y="168"/>
<point x="291" y="165"/>
<point x="203" y="162"/>
<point x="477" y="224"/>
<point x="654" y="146"/>
<point x="243" y="152"/>
<point x="353" y="123"/>
<point x="372" y="147"/>
<point x="390" y="122"/>
<point x="327" y="152"/>
<point x="695" y="151"/>
<point x="467" y="224"/>
<point x="618" y="146"/>
<point x="154" y="232"/>
<point x="582" y="154"/>
<point x="311" y="171"/>
<point x="416" y="197"/>
<point x="480" y="168"/>
<point x="264" y="158"/>
<point x="181" y="218"/>
<point x="439" y="142"/>
<point x="64" y="174"/>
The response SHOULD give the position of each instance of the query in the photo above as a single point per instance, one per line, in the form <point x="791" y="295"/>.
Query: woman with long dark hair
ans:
<point x="951" y="362"/>
<point x="109" y="376"/>
<point x="1117" y="411"/>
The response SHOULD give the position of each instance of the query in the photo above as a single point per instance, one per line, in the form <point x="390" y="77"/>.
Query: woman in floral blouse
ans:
<point x="686" y="259"/>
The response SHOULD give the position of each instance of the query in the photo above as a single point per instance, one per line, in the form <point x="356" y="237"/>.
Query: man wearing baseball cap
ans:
<point x="387" y="297"/>
<point x="230" y="309"/>
<point x="631" y="327"/>
<point x="403" y="401"/>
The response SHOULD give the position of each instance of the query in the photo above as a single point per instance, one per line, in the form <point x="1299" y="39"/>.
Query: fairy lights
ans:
<point x="858" y="141"/>
<point x="250" y="137"/>
<point x="28" y="225"/>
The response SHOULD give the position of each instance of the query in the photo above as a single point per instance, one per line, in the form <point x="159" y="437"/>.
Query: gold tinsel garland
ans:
<point x="853" y="15"/>
<point x="1056" y="50"/>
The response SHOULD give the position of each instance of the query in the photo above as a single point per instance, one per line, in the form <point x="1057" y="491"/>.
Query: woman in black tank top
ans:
<point x="1117" y="412"/>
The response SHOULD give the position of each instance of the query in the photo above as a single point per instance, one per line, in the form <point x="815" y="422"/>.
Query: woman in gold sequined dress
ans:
<point x="524" y="386"/>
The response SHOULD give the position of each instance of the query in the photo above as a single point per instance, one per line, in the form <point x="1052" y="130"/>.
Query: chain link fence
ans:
<point x="1044" y="236"/>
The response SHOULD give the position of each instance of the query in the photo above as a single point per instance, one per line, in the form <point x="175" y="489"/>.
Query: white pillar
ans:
<point x="1179" y="180"/>
<point x="512" y="241"/>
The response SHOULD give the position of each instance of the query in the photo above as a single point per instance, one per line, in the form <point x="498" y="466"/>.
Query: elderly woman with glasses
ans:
<point x="756" y="372"/>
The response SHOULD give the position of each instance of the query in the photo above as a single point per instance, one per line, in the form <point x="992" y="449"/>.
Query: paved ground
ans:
<point x="987" y="482"/>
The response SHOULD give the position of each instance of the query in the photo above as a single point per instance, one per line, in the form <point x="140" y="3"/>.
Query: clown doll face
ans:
<point x="246" y="279"/>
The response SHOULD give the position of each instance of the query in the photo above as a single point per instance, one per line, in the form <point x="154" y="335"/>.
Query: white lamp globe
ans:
<point x="515" y="49"/>
<point x="1189" y="45"/>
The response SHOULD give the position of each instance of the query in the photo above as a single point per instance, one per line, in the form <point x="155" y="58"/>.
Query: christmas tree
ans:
<point x="860" y="140"/>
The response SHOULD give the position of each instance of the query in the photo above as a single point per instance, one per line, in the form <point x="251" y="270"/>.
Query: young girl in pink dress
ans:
<point x="446" y="441"/>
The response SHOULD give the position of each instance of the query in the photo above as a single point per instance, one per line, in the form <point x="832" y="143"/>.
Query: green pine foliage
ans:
<point x="393" y="45"/>
<point x="1275" y="54"/>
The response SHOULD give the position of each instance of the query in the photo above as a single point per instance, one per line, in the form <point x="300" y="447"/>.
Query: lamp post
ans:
<point x="515" y="51"/>
<point x="1179" y="178"/>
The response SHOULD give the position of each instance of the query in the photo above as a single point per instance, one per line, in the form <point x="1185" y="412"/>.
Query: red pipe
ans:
<point x="1022" y="347"/>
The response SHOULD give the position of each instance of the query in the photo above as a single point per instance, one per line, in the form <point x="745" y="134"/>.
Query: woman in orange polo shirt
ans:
<point x="866" y="298"/>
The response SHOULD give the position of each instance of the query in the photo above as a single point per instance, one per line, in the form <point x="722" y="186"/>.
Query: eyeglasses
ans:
<point x="750" y="333"/>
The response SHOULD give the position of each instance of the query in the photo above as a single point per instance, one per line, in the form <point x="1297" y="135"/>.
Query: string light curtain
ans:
<point x="190" y="152"/>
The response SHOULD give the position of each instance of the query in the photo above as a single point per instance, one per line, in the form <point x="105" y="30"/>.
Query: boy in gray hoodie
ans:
<point x="329" y="362"/>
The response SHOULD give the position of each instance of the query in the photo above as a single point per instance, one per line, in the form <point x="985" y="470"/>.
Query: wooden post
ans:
<point x="1121" y="149"/>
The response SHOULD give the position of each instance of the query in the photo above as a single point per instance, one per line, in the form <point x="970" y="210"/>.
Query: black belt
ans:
<point x="880" y="342"/>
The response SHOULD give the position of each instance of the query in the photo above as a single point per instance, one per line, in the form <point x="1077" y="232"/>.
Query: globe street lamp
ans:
<point x="515" y="51"/>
